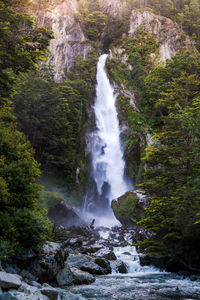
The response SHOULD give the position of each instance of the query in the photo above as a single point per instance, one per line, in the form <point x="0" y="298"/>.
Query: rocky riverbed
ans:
<point x="92" y="263"/>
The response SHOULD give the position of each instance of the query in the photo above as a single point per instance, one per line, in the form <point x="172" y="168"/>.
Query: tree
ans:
<point x="23" y="224"/>
<point x="172" y="177"/>
<point x="21" y="46"/>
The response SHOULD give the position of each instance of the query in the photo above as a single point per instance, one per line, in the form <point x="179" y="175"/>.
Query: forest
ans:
<point x="43" y="123"/>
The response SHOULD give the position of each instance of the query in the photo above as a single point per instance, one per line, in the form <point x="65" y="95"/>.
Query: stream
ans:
<point x="141" y="282"/>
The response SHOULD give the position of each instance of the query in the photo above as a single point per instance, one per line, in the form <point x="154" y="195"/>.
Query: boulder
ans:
<point x="48" y="263"/>
<point x="90" y="249"/>
<point x="119" y="266"/>
<point x="85" y="263"/>
<point x="9" y="281"/>
<point x="106" y="253"/>
<point x="74" y="242"/>
<point x="81" y="277"/>
<point x="128" y="209"/>
<point x="35" y="284"/>
<point x="64" y="276"/>
<point x="93" y="268"/>
<point x="64" y="215"/>
<point x="103" y="263"/>
<point x="50" y="292"/>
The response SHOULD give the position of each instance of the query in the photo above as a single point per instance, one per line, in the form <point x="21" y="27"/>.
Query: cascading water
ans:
<point x="107" y="156"/>
<point x="107" y="182"/>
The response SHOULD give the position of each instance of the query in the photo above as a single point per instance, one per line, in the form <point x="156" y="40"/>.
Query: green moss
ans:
<point x="127" y="209"/>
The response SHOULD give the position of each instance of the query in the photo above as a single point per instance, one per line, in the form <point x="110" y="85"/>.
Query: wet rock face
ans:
<point x="69" y="40"/>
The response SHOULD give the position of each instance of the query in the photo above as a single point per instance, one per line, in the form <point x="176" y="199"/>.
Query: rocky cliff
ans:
<point x="168" y="34"/>
<point x="70" y="41"/>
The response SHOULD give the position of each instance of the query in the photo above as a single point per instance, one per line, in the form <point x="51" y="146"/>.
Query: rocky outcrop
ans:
<point x="45" y="266"/>
<point x="64" y="215"/>
<point x="69" y="40"/>
<point x="168" y="33"/>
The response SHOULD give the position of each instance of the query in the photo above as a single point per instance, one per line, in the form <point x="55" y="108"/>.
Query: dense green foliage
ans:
<point x="23" y="224"/>
<point x="101" y="28"/>
<point x="53" y="116"/>
<point x="172" y="178"/>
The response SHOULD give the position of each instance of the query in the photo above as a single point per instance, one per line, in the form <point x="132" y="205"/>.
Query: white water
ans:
<point x="131" y="258"/>
<point x="110" y="154"/>
<point x="107" y="155"/>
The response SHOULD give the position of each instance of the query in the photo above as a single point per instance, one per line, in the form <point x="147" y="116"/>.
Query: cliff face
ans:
<point x="168" y="34"/>
<point x="114" y="7"/>
<point x="69" y="41"/>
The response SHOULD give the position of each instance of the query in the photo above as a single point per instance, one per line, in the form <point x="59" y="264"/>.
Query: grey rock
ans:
<point x="77" y="260"/>
<point x="11" y="269"/>
<point x="46" y="285"/>
<point x="119" y="266"/>
<point x="27" y="275"/>
<point x="104" y="264"/>
<point x="35" y="284"/>
<point x="74" y="242"/>
<point x="64" y="215"/>
<point x="51" y="248"/>
<point x="85" y="263"/>
<point x="47" y="264"/>
<point x="106" y="253"/>
<point x="81" y="277"/>
<point x="50" y="292"/>
<point x="27" y="292"/>
<point x="64" y="276"/>
<point x="9" y="281"/>
<point x="93" y="268"/>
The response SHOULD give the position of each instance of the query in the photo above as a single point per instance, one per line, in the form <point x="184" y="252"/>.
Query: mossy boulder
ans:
<point x="128" y="209"/>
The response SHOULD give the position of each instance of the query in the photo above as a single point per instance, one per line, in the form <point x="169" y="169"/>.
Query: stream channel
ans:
<point x="140" y="282"/>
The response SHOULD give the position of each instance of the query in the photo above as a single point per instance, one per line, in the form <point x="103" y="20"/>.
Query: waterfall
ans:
<point x="108" y="165"/>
